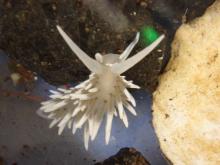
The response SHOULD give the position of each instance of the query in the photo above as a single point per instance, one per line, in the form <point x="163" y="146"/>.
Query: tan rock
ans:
<point x="186" y="106"/>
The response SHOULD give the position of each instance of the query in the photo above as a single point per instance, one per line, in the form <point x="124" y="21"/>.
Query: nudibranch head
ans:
<point x="105" y="93"/>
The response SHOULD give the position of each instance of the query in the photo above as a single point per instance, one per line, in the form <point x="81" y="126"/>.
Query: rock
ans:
<point x="29" y="35"/>
<point x="186" y="104"/>
<point x="126" y="156"/>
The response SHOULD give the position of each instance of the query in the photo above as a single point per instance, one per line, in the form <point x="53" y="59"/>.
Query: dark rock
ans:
<point x="29" y="35"/>
<point x="126" y="156"/>
<point x="1" y="161"/>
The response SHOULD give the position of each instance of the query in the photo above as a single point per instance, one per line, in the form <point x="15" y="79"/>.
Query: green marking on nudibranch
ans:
<point x="148" y="35"/>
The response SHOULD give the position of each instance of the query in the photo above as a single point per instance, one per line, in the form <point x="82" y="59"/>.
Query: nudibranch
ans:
<point x="105" y="93"/>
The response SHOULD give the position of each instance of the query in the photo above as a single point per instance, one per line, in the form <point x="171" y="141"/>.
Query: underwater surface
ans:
<point x="26" y="138"/>
<point x="29" y="37"/>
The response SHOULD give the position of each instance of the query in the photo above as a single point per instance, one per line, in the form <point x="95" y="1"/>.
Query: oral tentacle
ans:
<point x="90" y="63"/>
<point x="130" y="47"/>
<point x="130" y="62"/>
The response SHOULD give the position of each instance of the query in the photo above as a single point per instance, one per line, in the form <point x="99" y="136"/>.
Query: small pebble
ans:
<point x="143" y="4"/>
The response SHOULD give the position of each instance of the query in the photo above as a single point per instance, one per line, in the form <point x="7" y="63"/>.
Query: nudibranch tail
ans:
<point x="130" y="62"/>
<point x="90" y="63"/>
<point x="86" y="105"/>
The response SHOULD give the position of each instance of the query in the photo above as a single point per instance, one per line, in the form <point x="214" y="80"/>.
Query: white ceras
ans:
<point x="103" y="94"/>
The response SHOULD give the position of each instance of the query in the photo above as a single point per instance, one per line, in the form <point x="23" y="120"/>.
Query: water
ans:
<point x="26" y="139"/>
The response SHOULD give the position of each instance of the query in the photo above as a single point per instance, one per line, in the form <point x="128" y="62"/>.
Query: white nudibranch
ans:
<point x="105" y="93"/>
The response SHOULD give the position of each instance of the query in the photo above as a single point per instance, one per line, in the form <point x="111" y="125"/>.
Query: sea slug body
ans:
<point x="105" y="93"/>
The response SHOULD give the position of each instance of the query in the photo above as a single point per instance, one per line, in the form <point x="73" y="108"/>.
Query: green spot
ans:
<point x="148" y="35"/>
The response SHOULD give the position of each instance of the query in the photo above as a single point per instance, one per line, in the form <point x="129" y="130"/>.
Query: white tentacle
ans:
<point x="130" y="47"/>
<point x="90" y="63"/>
<point x="129" y="63"/>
